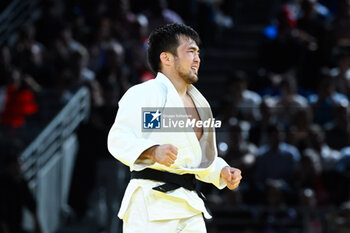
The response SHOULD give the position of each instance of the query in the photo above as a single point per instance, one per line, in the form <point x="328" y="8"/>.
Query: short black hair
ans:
<point x="166" y="39"/>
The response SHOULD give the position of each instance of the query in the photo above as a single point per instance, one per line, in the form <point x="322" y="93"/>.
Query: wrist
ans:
<point x="149" y="153"/>
<point x="223" y="170"/>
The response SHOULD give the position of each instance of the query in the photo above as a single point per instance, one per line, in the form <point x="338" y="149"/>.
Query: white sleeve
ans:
<point x="214" y="172"/>
<point x="125" y="139"/>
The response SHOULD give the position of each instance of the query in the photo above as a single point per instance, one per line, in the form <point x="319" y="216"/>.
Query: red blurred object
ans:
<point x="286" y="17"/>
<point x="146" y="75"/>
<point x="19" y="103"/>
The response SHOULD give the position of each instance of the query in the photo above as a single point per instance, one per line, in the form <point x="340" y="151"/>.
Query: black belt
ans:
<point x="172" y="181"/>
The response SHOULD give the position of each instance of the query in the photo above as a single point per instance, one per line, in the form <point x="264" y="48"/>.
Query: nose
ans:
<point x="196" y="58"/>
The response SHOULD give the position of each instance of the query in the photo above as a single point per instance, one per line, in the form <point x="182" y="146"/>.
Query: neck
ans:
<point x="179" y="84"/>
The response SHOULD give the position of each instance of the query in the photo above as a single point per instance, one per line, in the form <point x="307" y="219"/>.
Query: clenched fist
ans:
<point x="165" y="154"/>
<point x="231" y="176"/>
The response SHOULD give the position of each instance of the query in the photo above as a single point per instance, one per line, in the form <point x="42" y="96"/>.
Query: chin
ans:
<point x="189" y="78"/>
<point x="192" y="79"/>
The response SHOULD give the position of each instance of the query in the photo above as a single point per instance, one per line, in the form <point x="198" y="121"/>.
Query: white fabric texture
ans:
<point x="136" y="220"/>
<point x="126" y="142"/>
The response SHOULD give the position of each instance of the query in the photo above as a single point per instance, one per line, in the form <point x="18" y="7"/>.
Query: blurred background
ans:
<point x="276" y="72"/>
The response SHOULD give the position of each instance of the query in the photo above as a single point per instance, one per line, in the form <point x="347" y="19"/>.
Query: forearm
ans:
<point x="165" y="154"/>
<point x="148" y="154"/>
<point x="127" y="148"/>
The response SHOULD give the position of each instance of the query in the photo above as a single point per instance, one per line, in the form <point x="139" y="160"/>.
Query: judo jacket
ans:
<point x="127" y="140"/>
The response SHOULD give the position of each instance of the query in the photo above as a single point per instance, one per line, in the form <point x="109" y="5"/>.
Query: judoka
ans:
<point x="161" y="195"/>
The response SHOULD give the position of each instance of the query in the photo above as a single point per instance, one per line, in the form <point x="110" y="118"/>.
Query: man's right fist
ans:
<point x="165" y="154"/>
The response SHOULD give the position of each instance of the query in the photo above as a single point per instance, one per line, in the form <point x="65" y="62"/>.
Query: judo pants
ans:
<point x="136" y="220"/>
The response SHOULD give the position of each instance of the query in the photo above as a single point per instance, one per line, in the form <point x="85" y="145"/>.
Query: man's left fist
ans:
<point x="231" y="176"/>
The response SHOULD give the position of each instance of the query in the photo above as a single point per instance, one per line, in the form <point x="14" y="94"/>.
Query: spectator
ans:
<point x="289" y="102"/>
<point x="277" y="159"/>
<point x="80" y="29"/>
<point x="242" y="154"/>
<point x="20" y="100"/>
<point x="63" y="46"/>
<point x="51" y="19"/>
<point x="342" y="24"/>
<point x="159" y="14"/>
<point x="30" y="57"/>
<point x="313" y="24"/>
<point x="282" y="52"/>
<point x="325" y="101"/>
<point x="77" y="75"/>
<point x="79" y="62"/>
<point x="114" y="71"/>
<point x="275" y="197"/>
<point x="328" y="157"/>
<point x="258" y="131"/>
<point x="243" y="104"/>
<point x="314" y="18"/>
<point x="311" y="176"/>
<point x="342" y="74"/>
<point x="298" y="132"/>
<point x="125" y="25"/>
<point x="307" y="202"/>
<point x="338" y="132"/>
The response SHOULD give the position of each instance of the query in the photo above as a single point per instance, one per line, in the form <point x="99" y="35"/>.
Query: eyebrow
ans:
<point x="193" y="48"/>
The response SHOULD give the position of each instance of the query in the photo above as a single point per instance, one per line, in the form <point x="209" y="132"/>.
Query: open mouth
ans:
<point x="195" y="69"/>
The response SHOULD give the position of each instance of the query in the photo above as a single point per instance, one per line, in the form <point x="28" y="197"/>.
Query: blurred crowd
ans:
<point x="97" y="44"/>
<point x="287" y="126"/>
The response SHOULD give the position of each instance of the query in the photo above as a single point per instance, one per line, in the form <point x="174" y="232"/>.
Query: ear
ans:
<point x="166" y="58"/>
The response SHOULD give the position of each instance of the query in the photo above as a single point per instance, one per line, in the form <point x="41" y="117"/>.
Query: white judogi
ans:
<point x="126" y="142"/>
<point x="136" y="218"/>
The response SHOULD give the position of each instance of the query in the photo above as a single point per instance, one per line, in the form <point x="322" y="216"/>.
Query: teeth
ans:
<point x="194" y="68"/>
